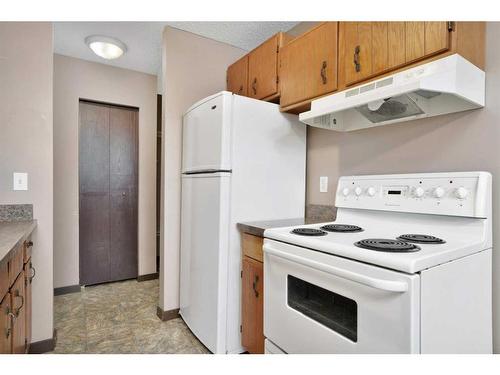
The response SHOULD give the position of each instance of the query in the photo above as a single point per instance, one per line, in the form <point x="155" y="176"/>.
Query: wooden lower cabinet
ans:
<point x="16" y="303"/>
<point x="4" y="279"/>
<point x="5" y="325"/>
<point x="28" y="279"/>
<point x="252" y="323"/>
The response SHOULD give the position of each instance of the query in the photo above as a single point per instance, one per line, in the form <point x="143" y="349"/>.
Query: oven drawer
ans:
<point x="320" y="303"/>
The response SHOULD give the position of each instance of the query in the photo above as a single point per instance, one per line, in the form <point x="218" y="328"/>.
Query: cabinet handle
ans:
<point x="33" y="269"/>
<point x="254" y="86"/>
<point x="18" y="295"/>
<point x="12" y="318"/>
<point x="323" y="72"/>
<point x="254" y="286"/>
<point x="356" y="59"/>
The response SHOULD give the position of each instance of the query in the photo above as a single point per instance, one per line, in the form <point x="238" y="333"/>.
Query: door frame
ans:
<point x="108" y="104"/>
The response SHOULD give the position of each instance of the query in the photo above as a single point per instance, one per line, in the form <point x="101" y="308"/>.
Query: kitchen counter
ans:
<point x="257" y="228"/>
<point x="12" y="234"/>
<point x="314" y="214"/>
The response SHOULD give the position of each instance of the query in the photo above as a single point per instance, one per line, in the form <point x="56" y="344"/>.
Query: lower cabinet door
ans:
<point x="5" y="325"/>
<point x="252" y="333"/>
<point x="28" y="279"/>
<point x="18" y="302"/>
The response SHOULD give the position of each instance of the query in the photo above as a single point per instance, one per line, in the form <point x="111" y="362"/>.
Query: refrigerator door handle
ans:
<point x="207" y="171"/>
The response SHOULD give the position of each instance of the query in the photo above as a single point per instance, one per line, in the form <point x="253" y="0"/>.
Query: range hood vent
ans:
<point x="451" y="84"/>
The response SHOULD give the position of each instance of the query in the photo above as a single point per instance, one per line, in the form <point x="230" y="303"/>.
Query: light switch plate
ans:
<point x="20" y="181"/>
<point x="323" y="184"/>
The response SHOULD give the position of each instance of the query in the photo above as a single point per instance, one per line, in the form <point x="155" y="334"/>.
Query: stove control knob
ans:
<point x="461" y="192"/>
<point x="439" y="192"/>
<point x="419" y="192"/>
<point x="371" y="191"/>
<point x="345" y="192"/>
<point x="358" y="191"/>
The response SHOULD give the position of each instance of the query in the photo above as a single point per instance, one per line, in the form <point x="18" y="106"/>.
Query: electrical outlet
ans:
<point x="323" y="184"/>
<point x="20" y="181"/>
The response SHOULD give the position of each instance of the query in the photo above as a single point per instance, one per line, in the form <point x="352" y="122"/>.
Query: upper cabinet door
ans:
<point x="263" y="69"/>
<point x="308" y="65"/>
<point x="371" y="48"/>
<point x="426" y="38"/>
<point x="356" y="51"/>
<point x="437" y="37"/>
<point x="237" y="77"/>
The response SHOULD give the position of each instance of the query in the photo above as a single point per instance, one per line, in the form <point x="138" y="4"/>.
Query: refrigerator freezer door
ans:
<point x="206" y="135"/>
<point x="204" y="257"/>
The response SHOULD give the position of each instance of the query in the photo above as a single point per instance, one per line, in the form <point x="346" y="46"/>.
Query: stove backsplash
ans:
<point x="16" y="212"/>
<point x="319" y="213"/>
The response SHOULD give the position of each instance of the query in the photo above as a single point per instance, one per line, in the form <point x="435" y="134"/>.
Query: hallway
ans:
<point x="119" y="318"/>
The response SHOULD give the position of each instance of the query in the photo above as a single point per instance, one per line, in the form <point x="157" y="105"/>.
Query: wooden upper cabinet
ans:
<point x="308" y="65"/>
<point x="256" y="74"/>
<point x="425" y="39"/>
<point x="371" y="48"/>
<point x="414" y="40"/>
<point x="355" y="51"/>
<point x="237" y="77"/>
<point x="437" y="37"/>
<point x="396" y="54"/>
<point x="252" y="320"/>
<point x="263" y="69"/>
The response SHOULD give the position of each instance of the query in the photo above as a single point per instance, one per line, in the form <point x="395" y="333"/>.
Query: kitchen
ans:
<point x="315" y="69"/>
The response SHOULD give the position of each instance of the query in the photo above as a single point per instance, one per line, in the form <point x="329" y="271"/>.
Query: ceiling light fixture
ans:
<point x="106" y="47"/>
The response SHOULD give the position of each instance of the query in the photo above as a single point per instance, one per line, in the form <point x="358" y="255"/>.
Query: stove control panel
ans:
<point x="456" y="194"/>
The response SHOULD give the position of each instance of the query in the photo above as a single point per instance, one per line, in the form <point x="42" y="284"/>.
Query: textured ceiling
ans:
<point x="143" y="39"/>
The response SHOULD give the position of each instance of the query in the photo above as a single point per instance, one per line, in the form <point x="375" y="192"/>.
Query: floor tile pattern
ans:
<point x="119" y="318"/>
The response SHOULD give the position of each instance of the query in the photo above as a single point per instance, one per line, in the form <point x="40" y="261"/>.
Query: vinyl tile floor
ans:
<point x="119" y="318"/>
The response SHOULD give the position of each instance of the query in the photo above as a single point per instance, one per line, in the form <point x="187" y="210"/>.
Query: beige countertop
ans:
<point x="257" y="228"/>
<point x="12" y="234"/>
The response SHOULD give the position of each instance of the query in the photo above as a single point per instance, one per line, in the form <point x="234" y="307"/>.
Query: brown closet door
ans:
<point x="123" y="193"/>
<point x="108" y="193"/>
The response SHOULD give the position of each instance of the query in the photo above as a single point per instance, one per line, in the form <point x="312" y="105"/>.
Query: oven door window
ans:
<point x="330" y="309"/>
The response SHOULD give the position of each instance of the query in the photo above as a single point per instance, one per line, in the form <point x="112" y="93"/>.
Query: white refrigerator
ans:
<point x="242" y="160"/>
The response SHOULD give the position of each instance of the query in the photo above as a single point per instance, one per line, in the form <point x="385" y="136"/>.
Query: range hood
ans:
<point x="451" y="84"/>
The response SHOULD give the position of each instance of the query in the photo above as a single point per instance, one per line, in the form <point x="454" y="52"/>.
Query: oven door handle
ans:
<point x="387" y="285"/>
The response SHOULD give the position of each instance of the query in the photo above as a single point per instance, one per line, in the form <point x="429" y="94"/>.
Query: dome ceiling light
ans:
<point x="106" y="47"/>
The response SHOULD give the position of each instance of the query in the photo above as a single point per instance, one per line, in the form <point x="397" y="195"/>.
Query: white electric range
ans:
<point x="405" y="268"/>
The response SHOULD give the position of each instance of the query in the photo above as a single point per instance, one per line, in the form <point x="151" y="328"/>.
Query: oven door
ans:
<point x="320" y="303"/>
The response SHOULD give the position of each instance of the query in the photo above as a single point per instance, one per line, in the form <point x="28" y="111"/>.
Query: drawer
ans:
<point x="27" y="250"/>
<point x="252" y="246"/>
<point x="16" y="265"/>
<point x="4" y="279"/>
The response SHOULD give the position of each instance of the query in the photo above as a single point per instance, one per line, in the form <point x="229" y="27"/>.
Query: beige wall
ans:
<point x="193" y="67"/>
<point x="75" y="79"/>
<point x="26" y="146"/>
<point x="458" y="142"/>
